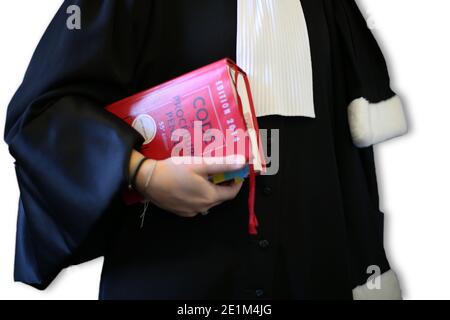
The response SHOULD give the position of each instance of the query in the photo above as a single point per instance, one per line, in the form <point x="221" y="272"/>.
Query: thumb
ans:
<point x="216" y="165"/>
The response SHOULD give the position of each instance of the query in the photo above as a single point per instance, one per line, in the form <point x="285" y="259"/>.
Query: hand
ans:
<point x="181" y="185"/>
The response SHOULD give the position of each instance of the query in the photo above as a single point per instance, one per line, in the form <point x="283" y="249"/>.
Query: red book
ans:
<point x="207" y="112"/>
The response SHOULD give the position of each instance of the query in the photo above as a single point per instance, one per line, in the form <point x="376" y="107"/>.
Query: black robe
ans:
<point x="320" y="224"/>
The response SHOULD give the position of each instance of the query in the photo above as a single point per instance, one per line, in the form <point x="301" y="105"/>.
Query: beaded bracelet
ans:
<point x="131" y="182"/>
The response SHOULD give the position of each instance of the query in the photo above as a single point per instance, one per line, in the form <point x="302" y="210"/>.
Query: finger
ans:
<point x="214" y="204"/>
<point x="227" y="192"/>
<point x="187" y="214"/>
<point x="191" y="215"/>
<point x="220" y="165"/>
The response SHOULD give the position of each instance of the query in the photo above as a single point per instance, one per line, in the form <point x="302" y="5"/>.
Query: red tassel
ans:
<point x="253" y="220"/>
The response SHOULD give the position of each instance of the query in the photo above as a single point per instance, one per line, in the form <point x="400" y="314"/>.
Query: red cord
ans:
<point x="252" y="221"/>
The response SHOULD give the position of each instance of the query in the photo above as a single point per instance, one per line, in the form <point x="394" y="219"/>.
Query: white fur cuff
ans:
<point x="384" y="287"/>
<point x="372" y="123"/>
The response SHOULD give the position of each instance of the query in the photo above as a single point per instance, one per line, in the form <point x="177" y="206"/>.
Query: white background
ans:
<point x="413" y="171"/>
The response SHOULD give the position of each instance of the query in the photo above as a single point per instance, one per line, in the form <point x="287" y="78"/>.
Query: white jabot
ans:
<point x="273" y="48"/>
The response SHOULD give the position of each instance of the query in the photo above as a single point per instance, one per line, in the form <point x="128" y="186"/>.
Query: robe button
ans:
<point x="267" y="191"/>
<point x="264" y="244"/>
<point x="259" y="293"/>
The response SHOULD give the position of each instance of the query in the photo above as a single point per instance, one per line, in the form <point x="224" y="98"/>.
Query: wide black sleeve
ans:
<point x="71" y="155"/>
<point x="375" y="112"/>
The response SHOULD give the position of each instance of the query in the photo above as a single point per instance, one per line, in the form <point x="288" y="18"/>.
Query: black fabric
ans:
<point x="320" y="223"/>
<point x="366" y="72"/>
<point x="71" y="155"/>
